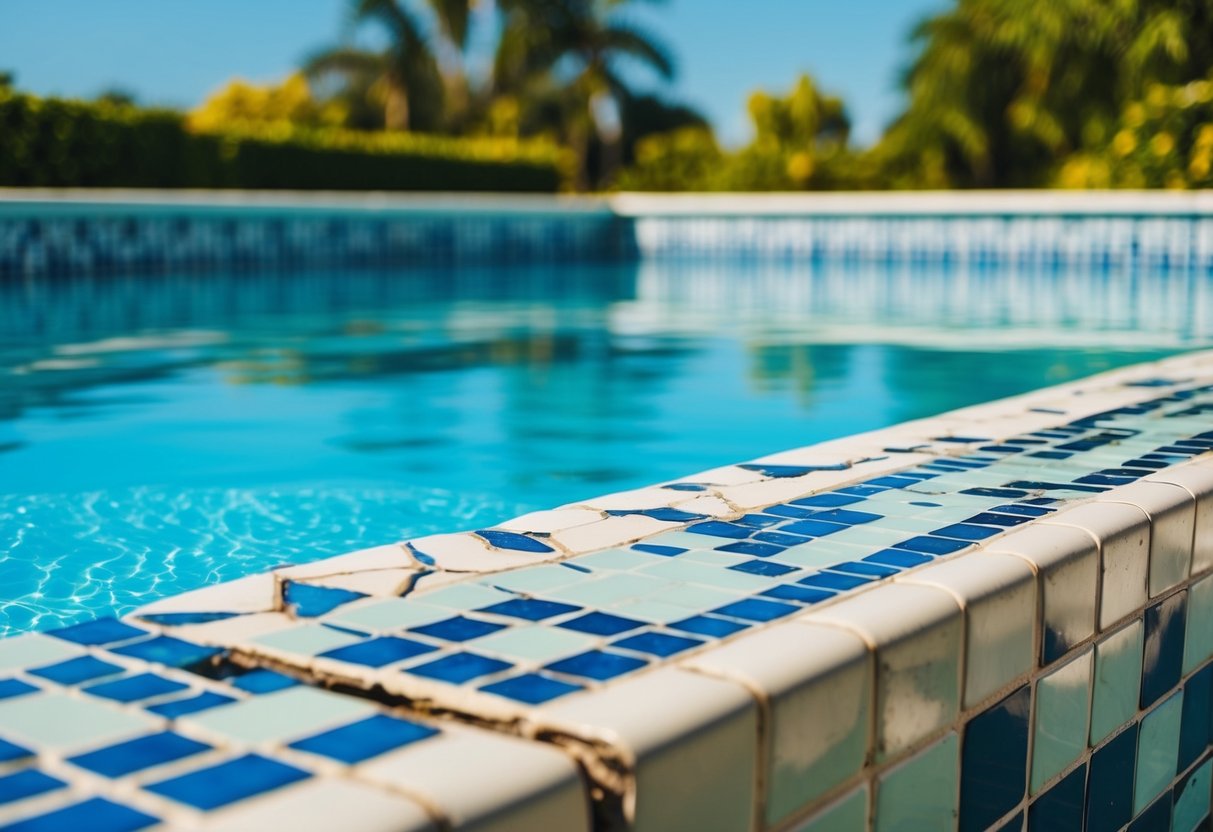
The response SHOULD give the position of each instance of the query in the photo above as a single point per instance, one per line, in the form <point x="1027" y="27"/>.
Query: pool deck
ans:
<point x="916" y="623"/>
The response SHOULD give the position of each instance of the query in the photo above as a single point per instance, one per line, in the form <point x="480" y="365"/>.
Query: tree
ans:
<point x="406" y="77"/>
<point x="562" y="58"/>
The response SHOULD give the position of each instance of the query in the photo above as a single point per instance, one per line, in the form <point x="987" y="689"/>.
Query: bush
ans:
<point x="56" y="143"/>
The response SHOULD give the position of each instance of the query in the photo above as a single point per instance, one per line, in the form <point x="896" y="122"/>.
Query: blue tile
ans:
<point x="531" y="688"/>
<point x="989" y="518"/>
<point x="800" y="594"/>
<point x="933" y="545"/>
<point x="757" y="521"/>
<point x="601" y="624"/>
<point x="530" y="609"/>
<point x="364" y="739"/>
<point x="180" y="619"/>
<point x="27" y="783"/>
<point x="706" y="625"/>
<point x="10" y="751"/>
<point x="194" y="704"/>
<point x="896" y="557"/>
<point x="669" y="515"/>
<point x="1196" y="730"/>
<point x="892" y="482"/>
<point x="458" y="668"/>
<point x="749" y="547"/>
<point x="77" y="670"/>
<point x="834" y="581"/>
<point x="139" y="754"/>
<point x="781" y="471"/>
<point x="657" y="644"/>
<point x="812" y="528"/>
<point x="263" y="681"/>
<point x="663" y="551"/>
<point x="1155" y="818"/>
<point x="859" y="567"/>
<point x="1110" y="783"/>
<point x="513" y="540"/>
<point x="715" y="528"/>
<point x="781" y="538"/>
<point x="225" y="783"/>
<point x="1060" y="808"/>
<point x="847" y="517"/>
<point x="796" y="512"/>
<point x="764" y="567"/>
<point x="1164" y="648"/>
<point x="309" y="601"/>
<point x="598" y="665"/>
<point x="966" y="531"/>
<point x="459" y="628"/>
<point x="866" y="490"/>
<point x="829" y="500"/>
<point x="1001" y="493"/>
<point x="95" y="815"/>
<point x="100" y="632"/>
<point x="134" y="688"/>
<point x="754" y="609"/>
<point x="15" y="687"/>
<point x="377" y="652"/>
<point x="994" y="762"/>
<point x="166" y="650"/>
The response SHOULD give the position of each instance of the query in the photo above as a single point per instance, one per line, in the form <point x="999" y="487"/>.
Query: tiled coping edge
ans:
<point x="932" y="645"/>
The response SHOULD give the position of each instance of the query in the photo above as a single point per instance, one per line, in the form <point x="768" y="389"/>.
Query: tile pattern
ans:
<point x="652" y="632"/>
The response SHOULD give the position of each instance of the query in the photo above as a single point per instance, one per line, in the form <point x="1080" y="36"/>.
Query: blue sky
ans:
<point x="176" y="51"/>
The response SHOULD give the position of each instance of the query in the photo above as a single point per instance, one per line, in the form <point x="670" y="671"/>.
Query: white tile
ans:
<point x="253" y="593"/>
<point x="917" y="633"/>
<point x="1172" y="512"/>
<point x="999" y="596"/>
<point x="479" y="780"/>
<point x="465" y="552"/>
<point x="1123" y="534"/>
<point x="552" y="520"/>
<point x="815" y="684"/>
<point x="613" y="531"/>
<point x="1197" y="478"/>
<point x="691" y="741"/>
<point x="390" y="556"/>
<point x="1066" y="561"/>
<point x="322" y="805"/>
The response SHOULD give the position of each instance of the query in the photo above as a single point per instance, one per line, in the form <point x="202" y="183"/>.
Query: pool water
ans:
<point x="158" y="434"/>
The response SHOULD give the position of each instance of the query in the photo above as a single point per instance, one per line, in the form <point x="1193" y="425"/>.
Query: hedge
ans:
<point x="50" y="142"/>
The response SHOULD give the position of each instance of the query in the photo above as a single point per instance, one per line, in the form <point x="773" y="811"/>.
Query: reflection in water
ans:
<point x="538" y="384"/>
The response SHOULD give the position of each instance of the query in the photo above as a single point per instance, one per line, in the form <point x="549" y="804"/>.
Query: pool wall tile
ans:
<point x="1066" y="561"/>
<point x="1060" y="724"/>
<point x="916" y="633"/>
<point x="994" y="760"/>
<point x="922" y="792"/>
<point x="1114" y="697"/>
<point x="815" y="687"/>
<point x="1191" y="798"/>
<point x="1157" y="750"/>
<point x="1123" y="535"/>
<point x="1198" y="635"/>
<point x="1198" y="481"/>
<point x="1172" y="512"/>
<point x="999" y="596"/>
<point x="1162" y="657"/>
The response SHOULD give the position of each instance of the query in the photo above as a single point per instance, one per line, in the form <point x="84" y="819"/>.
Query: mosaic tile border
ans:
<point x="46" y="233"/>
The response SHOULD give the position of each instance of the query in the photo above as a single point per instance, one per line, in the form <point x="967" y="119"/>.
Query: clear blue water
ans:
<point x="157" y="434"/>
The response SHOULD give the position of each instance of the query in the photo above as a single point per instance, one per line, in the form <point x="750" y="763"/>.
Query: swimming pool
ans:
<point x="160" y="433"/>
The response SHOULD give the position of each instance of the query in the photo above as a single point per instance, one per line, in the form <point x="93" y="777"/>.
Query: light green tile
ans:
<point x="281" y="716"/>
<point x="1117" y="680"/>
<point x="691" y="597"/>
<point x="814" y="556"/>
<point x="686" y="540"/>
<point x="537" y="579"/>
<point x="57" y="722"/>
<point x="867" y="536"/>
<point x="650" y="610"/>
<point x="464" y="597"/>
<point x="389" y="615"/>
<point x="307" y="639"/>
<point x="1062" y="718"/>
<point x="1198" y="640"/>
<point x="34" y="650"/>
<point x="915" y="525"/>
<point x="921" y="793"/>
<point x="712" y="557"/>
<point x="601" y="592"/>
<point x="538" y="644"/>
<point x="1157" y="751"/>
<point x="1192" y="799"/>
<point x="676" y="569"/>
<point x="615" y="560"/>
<point x="849" y="814"/>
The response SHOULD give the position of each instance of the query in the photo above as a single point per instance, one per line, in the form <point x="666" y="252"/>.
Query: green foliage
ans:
<point x="800" y="142"/>
<point x="56" y="143"/>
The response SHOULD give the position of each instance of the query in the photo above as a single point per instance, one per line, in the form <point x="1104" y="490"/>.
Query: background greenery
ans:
<point x="1000" y="93"/>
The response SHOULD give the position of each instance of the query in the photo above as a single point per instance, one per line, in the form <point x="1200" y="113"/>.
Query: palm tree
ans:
<point x="406" y="77"/>
<point x="564" y="56"/>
